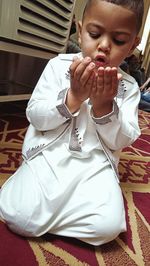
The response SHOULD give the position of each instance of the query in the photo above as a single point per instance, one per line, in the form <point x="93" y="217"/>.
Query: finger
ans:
<point x="75" y="63"/>
<point x="108" y="78"/>
<point x="81" y="67"/>
<point x="75" y="58"/>
<point x="100" y="81"/>
<point x="115" y="72"/>
<point x="87" y="73"/>
<point x="115" y="80"/>
<point x="119" y="76"/>
<point x="114" y="75"/>
<point x="90" y="82"/>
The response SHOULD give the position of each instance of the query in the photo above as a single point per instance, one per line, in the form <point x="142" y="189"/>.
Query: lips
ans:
<point x="100" y="61"/>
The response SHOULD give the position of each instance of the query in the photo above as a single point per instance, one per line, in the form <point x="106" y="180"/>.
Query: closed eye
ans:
<point x="119" y="42"/>
<point x="94" y="35"/>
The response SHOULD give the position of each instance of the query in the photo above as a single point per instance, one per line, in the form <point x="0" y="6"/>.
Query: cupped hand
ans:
<point x="104" y="90"/>
<point x="81" y="78"/>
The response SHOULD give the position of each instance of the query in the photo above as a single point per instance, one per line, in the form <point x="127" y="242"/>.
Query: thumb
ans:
<point x="119" y="76"/>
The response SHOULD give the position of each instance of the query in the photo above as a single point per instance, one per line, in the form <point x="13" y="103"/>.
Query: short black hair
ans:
<point x="136" y="6"/>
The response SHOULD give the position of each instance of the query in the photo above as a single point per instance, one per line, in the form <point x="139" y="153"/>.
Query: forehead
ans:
<point x="110" y="15"/>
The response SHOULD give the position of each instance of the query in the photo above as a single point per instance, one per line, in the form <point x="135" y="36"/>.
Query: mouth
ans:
<point x="100" y="61"/>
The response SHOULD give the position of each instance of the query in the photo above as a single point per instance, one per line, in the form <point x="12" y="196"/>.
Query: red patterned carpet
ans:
<point x="130" y="248"/>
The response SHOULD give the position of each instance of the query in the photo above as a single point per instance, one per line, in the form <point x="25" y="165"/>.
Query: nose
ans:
<point x="104" y="44"/>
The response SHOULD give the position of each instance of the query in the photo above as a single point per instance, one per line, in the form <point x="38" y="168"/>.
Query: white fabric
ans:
<point x="65" y="191"/>
<point x="44" y="117"/>
<point x="80" y="204"/>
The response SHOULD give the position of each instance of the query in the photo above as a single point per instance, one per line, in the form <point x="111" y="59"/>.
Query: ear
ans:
<point x="79" y="32"/>
<point x="135" y="44"/>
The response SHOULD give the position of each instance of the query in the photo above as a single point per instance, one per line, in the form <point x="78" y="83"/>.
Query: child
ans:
<point x="83" y="111"/>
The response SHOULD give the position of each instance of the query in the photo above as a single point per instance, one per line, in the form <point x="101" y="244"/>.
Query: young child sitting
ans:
<point x="83" y="111"/>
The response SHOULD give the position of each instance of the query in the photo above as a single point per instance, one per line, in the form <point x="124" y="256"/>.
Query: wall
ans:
<point x="79" y="7"/>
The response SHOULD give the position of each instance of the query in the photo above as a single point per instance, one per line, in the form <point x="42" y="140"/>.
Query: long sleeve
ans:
<point x="46" y="109"/>
<point x="120" y="128"/>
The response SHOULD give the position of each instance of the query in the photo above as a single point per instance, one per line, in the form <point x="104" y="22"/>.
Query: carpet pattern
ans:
<point x="130" y="248"/>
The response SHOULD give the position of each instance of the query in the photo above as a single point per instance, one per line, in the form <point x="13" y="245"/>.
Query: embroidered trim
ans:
<point x="34" y="150"/>
<point x="121" y="89"/>
<point x="74" y="144"/>
<point x="106" y="119"/>
<point x="62" y="108"/>
<point x="109" y="157"/>
<point x="30" y="153"/>
<point x="67" y="74"/>
<point x="61" y="94"/>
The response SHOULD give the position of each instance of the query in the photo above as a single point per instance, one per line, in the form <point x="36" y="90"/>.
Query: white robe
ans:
<point x="68" y="183"/>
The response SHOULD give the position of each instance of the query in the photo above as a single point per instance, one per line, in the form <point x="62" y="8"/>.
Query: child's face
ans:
<point x="108" y="33"/>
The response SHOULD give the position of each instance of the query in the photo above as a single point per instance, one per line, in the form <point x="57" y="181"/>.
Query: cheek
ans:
<point x="124" y="51"/>
<point x="119" y="54"/>
<point x="88" y="45"/>
<point x="86" y="48"/>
